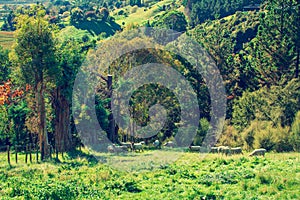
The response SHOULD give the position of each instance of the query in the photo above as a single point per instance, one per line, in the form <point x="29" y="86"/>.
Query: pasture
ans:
<point x="146" y="175"/>
<point x="6" y="39"/>
<point x="139" y="15"/>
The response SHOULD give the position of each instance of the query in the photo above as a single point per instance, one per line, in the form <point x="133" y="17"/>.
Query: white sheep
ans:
<point x="214" y="150"/>
<point x="221" y="149"/>
<point x="169" y="144"/>
<point x="236" y="150"/>
<point x="156" y="143"/>
<point x="126" y="144"/>
<point x="258" y="152"/>
<point x="116" y="149"/>
<point x="138" y="146"/>
<point x="195" y="148"/>
<point x="110" y="149"/>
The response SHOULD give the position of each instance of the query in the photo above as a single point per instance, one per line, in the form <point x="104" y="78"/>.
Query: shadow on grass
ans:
<point x="95" y="27"/>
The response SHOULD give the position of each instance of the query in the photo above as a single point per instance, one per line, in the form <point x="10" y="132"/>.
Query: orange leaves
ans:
<point x="7" y="94"/>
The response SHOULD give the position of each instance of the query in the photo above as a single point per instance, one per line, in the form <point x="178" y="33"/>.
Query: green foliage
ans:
<point x="17" y="116"/>
<point x="274" y="51"/>
<point x="277" y="104"/>
<point x="230" y="137"/>
<point x="202" y="131"/>
<point x="135" y="2"/>
<point x="4" y="65"/>
<point x="202" y="10"/>
<point x="263" y="134"/>
<point x="174" y="20"/>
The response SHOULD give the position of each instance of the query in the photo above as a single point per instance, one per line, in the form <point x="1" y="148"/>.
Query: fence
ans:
<point x="29" y="152"/>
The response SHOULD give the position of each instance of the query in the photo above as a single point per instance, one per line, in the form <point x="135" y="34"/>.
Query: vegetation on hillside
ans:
<point x="44" y="46"/>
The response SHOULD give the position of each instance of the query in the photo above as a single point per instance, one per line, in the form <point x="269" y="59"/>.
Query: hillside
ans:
<point x="203" y="103"/>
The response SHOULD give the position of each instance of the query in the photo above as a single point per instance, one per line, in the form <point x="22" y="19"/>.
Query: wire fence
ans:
<point x="29" y="153"/>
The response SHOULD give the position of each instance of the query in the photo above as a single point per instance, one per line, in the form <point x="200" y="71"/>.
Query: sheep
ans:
<point x="214" y="150"/>
<point x="236" y="150"/>
<point x="119" y="149"/>
<point x="169" y="144"/>
<point x="258" y="152"/>
<point x="110" y="149"/>
<point x="138" y="146"/>
<point x="221" y="149"/>
<point x="127" y="144"/>
<point x="156" y="144"/>
<point x="194" y="148"/>
<point x="226" y="151"/>
<point x="116" y="149"/>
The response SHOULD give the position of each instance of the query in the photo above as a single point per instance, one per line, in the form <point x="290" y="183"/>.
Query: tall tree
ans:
<point x="69" y="58"/>
<point x="34" y="57"/>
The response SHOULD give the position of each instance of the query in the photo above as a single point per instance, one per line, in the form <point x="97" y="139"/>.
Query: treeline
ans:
<point x="37" y="79"/>
<point x="256" y="52"/>
<point x="258" y="56"/>
<point x="200" y="11"/>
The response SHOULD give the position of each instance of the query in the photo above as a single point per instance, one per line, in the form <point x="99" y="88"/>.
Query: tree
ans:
<point x="69" y="58"/>
<point x="275" y="50"/>
<point x="4" y="65"/>
<point x="34" y="57"/>
<point x="174" y="20"/>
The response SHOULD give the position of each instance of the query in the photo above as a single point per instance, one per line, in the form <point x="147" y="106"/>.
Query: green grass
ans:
<point x="277" y="176"/>
<point x="140" y="16"/>
<point x="6" y="39"/>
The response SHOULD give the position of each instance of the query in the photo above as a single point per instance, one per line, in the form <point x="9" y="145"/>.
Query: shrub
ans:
<point x="231" y="137"/>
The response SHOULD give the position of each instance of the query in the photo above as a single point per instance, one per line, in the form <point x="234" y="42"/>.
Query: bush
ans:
<point x="231" y="137"/>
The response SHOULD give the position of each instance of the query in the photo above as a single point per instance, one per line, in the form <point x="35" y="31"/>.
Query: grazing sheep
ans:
<point x="116" y="149"/>
<point x="110" y="149"/>
<point x="258" y="152"/>
<point x="221" y="149"/>
<point x="138" y="146"/>
<point x="236" y="150"/>
<point x="169" y="144"/>
<point x="119" y="149"/>
<point x="214" y="150"/>
<point x="156" y="144"/>
<point x="226" y="151"/>
<point x="194" y="148"/>
<point x="127" y="144"/>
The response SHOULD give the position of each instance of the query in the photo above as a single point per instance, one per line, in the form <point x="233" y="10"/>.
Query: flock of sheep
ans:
<point x="224" y="150"/>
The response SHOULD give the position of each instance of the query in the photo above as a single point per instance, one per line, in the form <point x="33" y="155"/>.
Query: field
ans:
<point x="139" y="15"/>
<point x="80" y="176"/>
<point x="6" y="39"/>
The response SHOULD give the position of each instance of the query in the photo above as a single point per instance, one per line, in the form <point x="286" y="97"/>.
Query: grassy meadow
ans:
<point x="6" y="39"/>
<point x="139" y="15"/>
<point x="191" y="176"/>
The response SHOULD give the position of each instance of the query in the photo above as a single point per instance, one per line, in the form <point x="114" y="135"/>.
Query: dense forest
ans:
<point x="255" y="45"/>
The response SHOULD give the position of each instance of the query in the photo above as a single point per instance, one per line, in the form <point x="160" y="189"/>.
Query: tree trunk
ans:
<point x="63" y="138"/>
<point x="43" y="136"/>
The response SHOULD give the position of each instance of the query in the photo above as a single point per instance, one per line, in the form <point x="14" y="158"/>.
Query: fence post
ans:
<point x="16" y="152"/>
<point x="30" y="157"/>
<point x="26" y="153"/>
<point x="37" y="154"/>
<point x="8" y="154"/>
